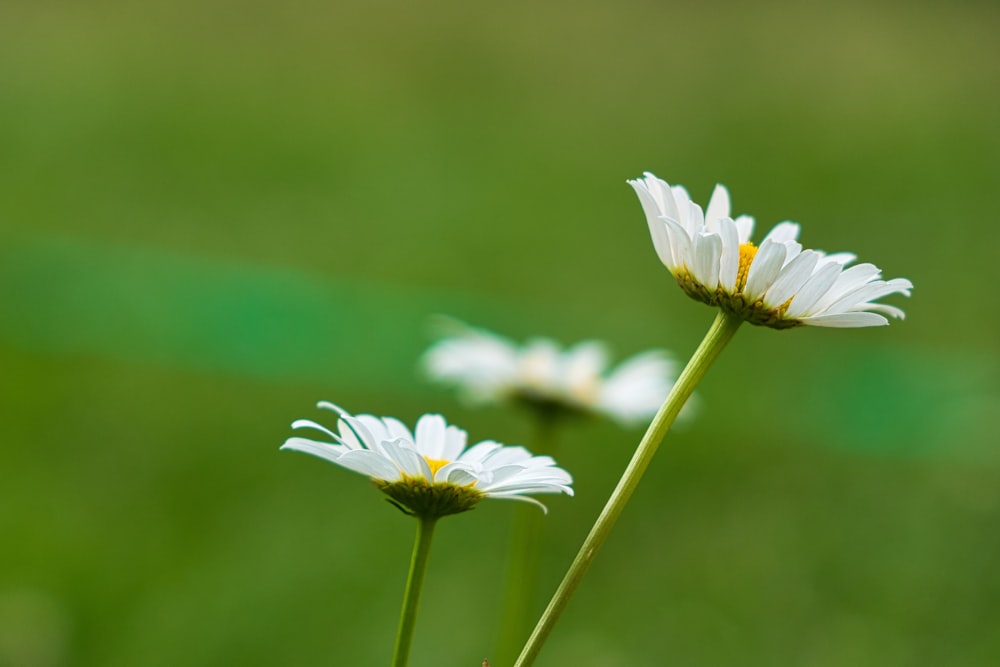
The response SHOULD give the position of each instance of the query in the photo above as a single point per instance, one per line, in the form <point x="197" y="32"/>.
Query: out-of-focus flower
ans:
<point x="777" y="284"/>
<point x="488" y="368"/>
<point x="429" y="472"/>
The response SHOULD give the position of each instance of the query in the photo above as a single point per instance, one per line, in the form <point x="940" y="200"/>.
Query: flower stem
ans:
<point x="720" y="333"/>
<point x="414" y="583"/>
<point x="523" y="563"/>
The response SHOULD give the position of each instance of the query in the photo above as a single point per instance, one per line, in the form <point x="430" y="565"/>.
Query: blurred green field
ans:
<point x="214" y="214"/>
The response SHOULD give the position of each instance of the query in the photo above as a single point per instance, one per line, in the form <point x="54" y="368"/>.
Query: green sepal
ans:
<point x="736" y="304"/>
<point x="418" y="497"/>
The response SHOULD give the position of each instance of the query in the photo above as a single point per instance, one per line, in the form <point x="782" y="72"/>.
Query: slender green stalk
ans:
<point x="718" y="336"/>
<point x="523" y="562"/>
<point x="414" y="583"/>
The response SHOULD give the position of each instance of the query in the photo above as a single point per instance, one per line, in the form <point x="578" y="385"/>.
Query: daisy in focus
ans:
<point x="488" y="368"/>
<point x="776" y="284"/>
<point x="429" y="472"/>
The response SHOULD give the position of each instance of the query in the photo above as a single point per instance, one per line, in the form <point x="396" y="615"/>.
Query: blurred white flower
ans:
<point x="488" y="368"/>
<point x="777" y="284"/>
<point x="430" y="472"/>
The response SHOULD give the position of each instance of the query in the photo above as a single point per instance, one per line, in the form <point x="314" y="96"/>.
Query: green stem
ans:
<point x="523" y="562"/>
<point x="414" y="583"/>
<point x="718" y="336"/>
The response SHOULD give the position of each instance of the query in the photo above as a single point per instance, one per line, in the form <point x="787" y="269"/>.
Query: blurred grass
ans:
<point x="213" y="215"/>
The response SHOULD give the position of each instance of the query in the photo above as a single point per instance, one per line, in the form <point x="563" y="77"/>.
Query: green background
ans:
<point x="214" y="214"/>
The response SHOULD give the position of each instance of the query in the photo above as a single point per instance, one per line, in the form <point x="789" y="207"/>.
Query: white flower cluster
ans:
<point x="488" y="368"/>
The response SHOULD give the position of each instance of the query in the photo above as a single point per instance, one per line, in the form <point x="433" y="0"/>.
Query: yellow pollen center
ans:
<point x="435" y="464"/>
<point x="747" y="252"/>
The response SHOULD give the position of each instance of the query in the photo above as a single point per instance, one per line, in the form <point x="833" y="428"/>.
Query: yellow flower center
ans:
<point x="435" y="464"/>
<point x="747" y="252"/>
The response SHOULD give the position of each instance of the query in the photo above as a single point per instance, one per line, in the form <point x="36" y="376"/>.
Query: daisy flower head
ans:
<point x="776" y="284"/>
<point x="488" y="368"/>
<point x="429" y="472"/>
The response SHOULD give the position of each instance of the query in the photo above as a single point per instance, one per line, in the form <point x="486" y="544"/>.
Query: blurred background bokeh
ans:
<point x="214" y="214"/>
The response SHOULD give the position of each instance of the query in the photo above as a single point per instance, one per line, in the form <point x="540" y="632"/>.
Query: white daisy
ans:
<point x="431" y="473"/>
<point x="488" y="368"/>
<point x="777" y="284"/>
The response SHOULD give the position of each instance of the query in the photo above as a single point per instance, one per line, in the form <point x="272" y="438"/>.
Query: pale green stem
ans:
<point x="523" y="562"/>
<point x="718" y="336"/>
<point x="414" y="582"/>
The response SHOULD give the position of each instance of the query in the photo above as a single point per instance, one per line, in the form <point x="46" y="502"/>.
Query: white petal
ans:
<point x="901" y="285"/>
<point x="764" y="269"/>
<point x="455" y="439"/>
<point x="370" y="463"/>
<point x="680" y="244"/>
<point x="849" y="281"/>
<point x="363" y="461"/>
<point x="454" y="473"/>
<point x="308" y="423"/>
<point x="505" y="456"/>
<point x="844" y="320"/>
<point x="682" y="200"/>
<point x="526" y="477"/>
<point x="817" y="285"/>
<point x="498" y="477"/>
<point x="352" y="428"/>
<point x="479" y="451"/>
<point x="696" y="219"/>
<point x="718" y="207"/>
<point x="323" y="450"/>
<point x="729" y="262"/>
<point x="375" y="426"/>
<point x="859" y="298"/>
<point x="707" y="251"/>
<point x="842" y="258"/>
<point x="792" y="250"/>
<point x="524" y="499"/>
<point x="530" y="488"/>
<point x="664" y="195"/>
<point x="530" y="462"/>
<point x="327" y="405"/>
<point x="397" y="429"/>
<point x="783" y="231"/>
<point x="886" y="309"/>
<point x="744" y="225"/>
<point x="792" y="277"/>
<point x="406" y="459"/>
<point x="653" y="211"/>
<point x="430" y="436"/>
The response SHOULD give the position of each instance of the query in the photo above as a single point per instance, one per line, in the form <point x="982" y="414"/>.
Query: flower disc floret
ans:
<point x="429" y="472"/>
<point x="776" y="284"/>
